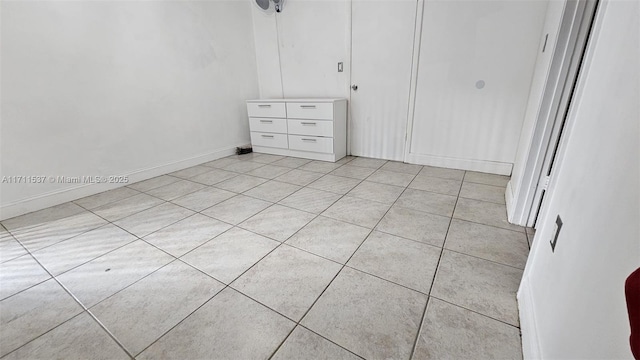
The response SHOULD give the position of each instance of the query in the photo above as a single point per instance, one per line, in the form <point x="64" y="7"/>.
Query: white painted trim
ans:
<point x="297" y="153"/>
<point x="57" y="197"/>
<point x="508" y="197"/>
<point x="417" y="40"/>
<point x="492" y="167"/>
<point x="528" y="325"/>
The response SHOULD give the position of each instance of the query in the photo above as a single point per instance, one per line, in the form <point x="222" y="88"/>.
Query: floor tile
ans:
<point x="10" y="249"/>
<point x="451" y="332"/>
<point x="213" y="176"/>
<point x="291" y="162"/>
<point x="230" y="326"/>
<point x="243" y="166"/>
<point x="266" y="158"/>
<point x="444" y="173"/>
<point x="304" y="344"/>
<point x="190" y="171"/>
<point x="484" y="213"/>
<point x="433" y="203"/>
<point x="273" y="282"/>
<point x="76" y="251"/>
<point x="345" y="160"/>
<point x="40" y="235"/>
<point x="94" y="201"/>
<point x="277" y="222"/>
<point x="299" y="177"/>
<point x="479" y="285"/>
<point x="273" y="191"/>
<point x="404" y="262"/>
<point x="110" y="273"/>
<point x="127" y="207"/>
<point x="141" y="313"/>
<point x="310" y="200"/>
<point x="415" y="225"/>
<point x="355" y="172"/>
<point x="240" y="183"/>
<point x="395" y="166"/>
<point x="221" y="163"/>
<point x="269" y="171"/>
<point x="357" y="211"/>
<point x="78" y="338"/>
<point x="20" y="274"/>
<point x="202" y="199"/>
<point x="185" y="235"/>
<point x="391" y="178"/>
<point x="42" y="217"/>
<point x="153" y="183"/>
<point x="367" y="162"/>
<point x="490" y="193"/>
<point x="367" y="315"/>
<point x="329" y="238"/>
<point x="229" y="255"/>
<point x="487" y="179"/>
<point x="488" y="242"/>
<point x="320" y="166"/>
<point x="531" y="234"/>
<point x="437" y="185"/>
<point x="175" y="190"/>
<point x="335" y="184"/>
<point x="148" y="221"/>
<point x="237" y="209"/>
<point x="386" y="194"/>
<point x="32" y="313"/>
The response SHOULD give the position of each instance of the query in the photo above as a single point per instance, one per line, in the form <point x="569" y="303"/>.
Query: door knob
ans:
<point x="354" y="87"/>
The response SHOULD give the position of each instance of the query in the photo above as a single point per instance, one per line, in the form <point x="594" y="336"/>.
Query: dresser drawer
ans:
<point x="317" y="111"/>
<point x="311" y="143"/>
<point x="269" y="140"/>
<point x="266" y="109"/>
<point x="311" y="127"/>
<point x="271" y="125"/>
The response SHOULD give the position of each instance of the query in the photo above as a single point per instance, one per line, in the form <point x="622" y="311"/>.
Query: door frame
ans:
<point x="575" y="28"/>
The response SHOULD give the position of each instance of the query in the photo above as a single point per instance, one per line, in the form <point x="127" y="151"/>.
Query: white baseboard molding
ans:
<point x="508" y="198"/>
<point x="57" y="197"/>
<point x="492" y="167"/>
<point x="528" y="326"/>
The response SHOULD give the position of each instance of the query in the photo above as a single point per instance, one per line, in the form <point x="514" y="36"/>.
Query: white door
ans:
<point x="381" y="61"/>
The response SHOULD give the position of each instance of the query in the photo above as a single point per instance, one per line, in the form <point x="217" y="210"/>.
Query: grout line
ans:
<point x="475" y="311"/>
<point x="85" y="309"/>
<point x="433" y="281"/>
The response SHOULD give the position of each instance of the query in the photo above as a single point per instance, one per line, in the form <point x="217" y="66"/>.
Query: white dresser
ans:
<point x="307" y="128"/>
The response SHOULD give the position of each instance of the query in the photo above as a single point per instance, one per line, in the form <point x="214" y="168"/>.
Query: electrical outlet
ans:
<point x="556" y="232"/>
<point x="340" y="68"/>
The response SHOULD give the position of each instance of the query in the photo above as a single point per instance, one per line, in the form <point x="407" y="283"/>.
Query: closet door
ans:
<point x="382" y="48"/>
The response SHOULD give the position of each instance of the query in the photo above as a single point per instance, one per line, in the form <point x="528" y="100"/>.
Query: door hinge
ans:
<point x="545" y="182"/>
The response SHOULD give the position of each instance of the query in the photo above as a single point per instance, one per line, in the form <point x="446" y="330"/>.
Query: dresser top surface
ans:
<point x="302" y="100"/>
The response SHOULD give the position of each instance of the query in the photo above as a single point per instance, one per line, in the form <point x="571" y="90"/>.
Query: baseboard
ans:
<point x="57" y="197"/>
<point x="528" y="326"/>
<point x="508" y="198"/>
<point x="492" y="167"/>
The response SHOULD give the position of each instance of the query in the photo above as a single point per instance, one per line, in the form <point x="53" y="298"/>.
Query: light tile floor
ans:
<point x="260" y="256"/>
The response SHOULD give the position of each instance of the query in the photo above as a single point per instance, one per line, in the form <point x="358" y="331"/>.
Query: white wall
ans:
<point x="312" y="37"/>
<point x="572" y="301"/>
<point x="455" y="124"/>
<point x="119" y="87"/>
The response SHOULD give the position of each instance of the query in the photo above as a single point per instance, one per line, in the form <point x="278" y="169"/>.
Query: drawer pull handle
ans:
<point x="264" y="105"/>
<point x="308" y="106"/>
<point x="311" y="140"/>
<point x="267" y="136"/>
<point x="266" y="121"/>
<point x="308" y="123"/>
